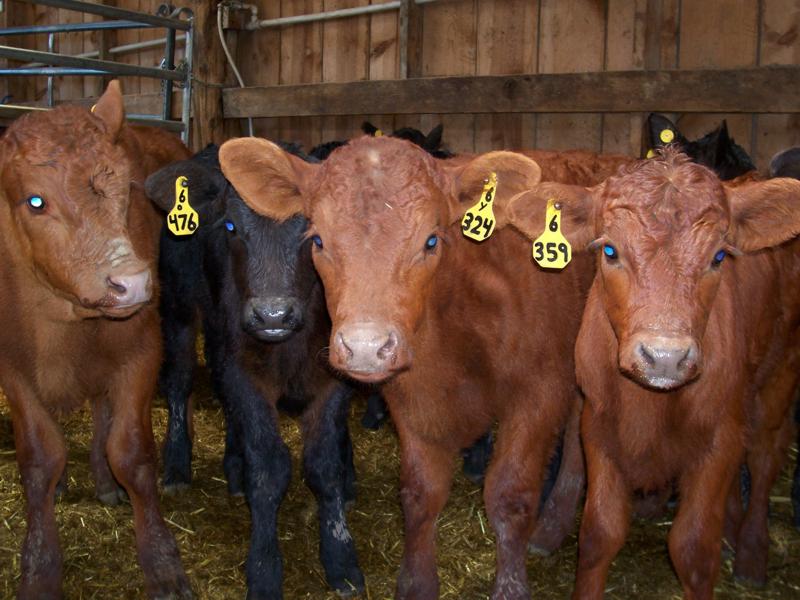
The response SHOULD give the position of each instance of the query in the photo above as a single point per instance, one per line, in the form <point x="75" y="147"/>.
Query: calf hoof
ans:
<point x="757" y="583"/>
<point x="113" y="497"/>
<point x="175" y="488"/>
<point x="235" y="489"/>
<point x="350" y="586"/>
<point x="175" y="481"/>
<point x="175" y="588"/>
<point x="373" y="421"/>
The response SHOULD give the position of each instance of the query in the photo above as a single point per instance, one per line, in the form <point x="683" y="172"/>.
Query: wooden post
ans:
<point x="410" y="39"/>
<point x="209" y="77"/>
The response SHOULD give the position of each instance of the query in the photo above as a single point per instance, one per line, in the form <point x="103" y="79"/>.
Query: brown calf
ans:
<point x="688" y="359"/>
<point x="78" y="320"/>
<point x="462" y="334"/>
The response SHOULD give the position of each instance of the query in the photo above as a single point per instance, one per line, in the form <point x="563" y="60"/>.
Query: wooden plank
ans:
<point x="662" y="33"/>
<point x="625" y="50"/>
<point x="507" y="32"/>
<point x="764" y="89"/>
<point x="71" y="44"/>
<point x="24" y="89"/>
<point x="301" y="62"/>
<point x="780" y="44"/>
<point x="572" y="39"/>
<point x="151" y="57"/>
<point x="130" y="85"/>
<point x="209" y="73"/>
<point x="258" y="56"/>
<point x="383" y="45"/>
<point x="410" y="34"/>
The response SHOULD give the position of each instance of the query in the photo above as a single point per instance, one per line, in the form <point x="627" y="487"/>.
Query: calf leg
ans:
<point x="325" y="432"/>
<point x="695" y="538"/>
<point x="425" y="480"/>
<point x="132" y="456"/>
<point x="179" y="334"/>
<point x="606" y="518"/>
<point x="557" y="516"/>
<point x="375" y="413"/>
<point x="106" y="488"/>
<point x="477" y="457"/>
<point x="511" y="493"/>
<point x="41" y="456"/>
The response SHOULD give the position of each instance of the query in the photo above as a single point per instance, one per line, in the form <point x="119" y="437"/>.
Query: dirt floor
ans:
<point x="212" y="530"/>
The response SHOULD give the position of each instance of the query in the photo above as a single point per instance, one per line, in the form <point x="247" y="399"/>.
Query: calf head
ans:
<point x="663" y="229"/>
<point x="270" y="260"/>
<point x="379" y="213"/>
<point x="65" y="184"/>
<point x="716" y="150"/>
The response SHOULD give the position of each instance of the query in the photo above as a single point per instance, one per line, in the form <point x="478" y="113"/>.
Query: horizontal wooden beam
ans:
<point x="754" y="90"/>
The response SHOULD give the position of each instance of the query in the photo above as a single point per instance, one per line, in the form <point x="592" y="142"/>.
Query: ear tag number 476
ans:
<point x="182" y="219"/>
<point x="551" y="250"/>
<point x="478" y="222"/>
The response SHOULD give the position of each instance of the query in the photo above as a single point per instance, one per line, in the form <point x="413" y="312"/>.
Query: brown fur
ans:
<point x="63" y="339"/>
<point x="484" y="335"/>
<point x="667" y="218"/>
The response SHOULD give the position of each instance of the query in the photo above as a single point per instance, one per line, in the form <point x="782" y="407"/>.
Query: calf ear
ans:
<point x="268" y="179"/>
<point x="515" y="174"/>
<point x="526" y="212"/>
<point x="656" y="124"/>
<point x="110" y="109"/>
<point x="160" y="186"/>
<point x="764" y="213"/>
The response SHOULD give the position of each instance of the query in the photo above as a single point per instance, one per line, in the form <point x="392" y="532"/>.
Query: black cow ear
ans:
<point x="661" y="130"/>
<point x="368" y="128"/>
<point x="160" y="186"/>
<point x="434" y="138"/>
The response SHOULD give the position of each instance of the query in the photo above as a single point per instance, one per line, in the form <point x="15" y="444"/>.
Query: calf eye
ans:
<point x="317" y="241"/>
<point x="610" y="252"/>
<point x="431" y="242"/>
<point x="36" y="203"/>
<point x="230" y="226"/>
<point x="718" y="258"/>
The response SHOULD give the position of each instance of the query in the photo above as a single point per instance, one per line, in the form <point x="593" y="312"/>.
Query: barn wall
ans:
<point x="479" y="37"/>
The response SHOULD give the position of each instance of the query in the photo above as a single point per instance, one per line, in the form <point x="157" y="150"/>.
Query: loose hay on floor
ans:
<point x="212" y="530"/>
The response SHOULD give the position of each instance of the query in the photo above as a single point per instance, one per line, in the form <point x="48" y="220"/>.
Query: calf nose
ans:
<point x="130" y="290"/>
<point x="368" y="351"/>
<point x="666" y="362"/>
<point x="273" y="314"/>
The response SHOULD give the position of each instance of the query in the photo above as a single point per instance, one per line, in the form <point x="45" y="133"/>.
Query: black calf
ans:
<point x="263" y="314"/>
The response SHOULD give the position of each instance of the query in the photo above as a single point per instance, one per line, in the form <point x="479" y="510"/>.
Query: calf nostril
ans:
<point x="343" y="346"/>
<point x="288" y="315"/>
<point x="647" y="354"/>
<point x="387" y="351"/>
<point x="117" y="286"/>
<point x="687" y="359"/>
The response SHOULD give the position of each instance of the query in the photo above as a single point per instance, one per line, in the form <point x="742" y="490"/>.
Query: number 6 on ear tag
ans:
<point x="478" y="222"/>
<point x="551" y="250"/>
<point x="182" y="219"/>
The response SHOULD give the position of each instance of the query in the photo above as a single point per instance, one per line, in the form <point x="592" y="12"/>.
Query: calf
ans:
<point x="79" y="320"/>
<point x="687" y="358"/>
<point x="266" y="329"/>
<point x="441" y="320"/>
<point x="715" y="150"/>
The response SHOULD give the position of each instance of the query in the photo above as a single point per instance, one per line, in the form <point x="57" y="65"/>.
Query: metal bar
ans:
<point x="101" y="65"/>
<point x="125" y="48"/>
<point x="71" y="27"/>
<point x="114" y="13"/>
<point x="329" y="15"/>
<point x="166" y="85"/>
<point x="51" y="47"/>
<point x="186" y="108"/>
<point x="50" y="71"/>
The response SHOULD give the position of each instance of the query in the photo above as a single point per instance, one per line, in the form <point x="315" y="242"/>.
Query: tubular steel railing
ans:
<point x="51" y="64"/>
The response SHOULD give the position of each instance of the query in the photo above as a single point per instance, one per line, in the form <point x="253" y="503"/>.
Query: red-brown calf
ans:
<point x="463" y="334"/>
<point x="78" y="320"/>
<point x="688" y="359"/>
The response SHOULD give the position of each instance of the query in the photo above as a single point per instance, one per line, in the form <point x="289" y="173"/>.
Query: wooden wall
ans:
<point x="472" y="37"/>
<point x="477" y="37"/>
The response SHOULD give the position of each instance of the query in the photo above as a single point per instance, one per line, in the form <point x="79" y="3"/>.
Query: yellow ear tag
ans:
<point x="478" y="222"/>
<point x="91" y="110"/>
<point x="551" y="250"/>
<point x="378" y="133"/>
<point x="182" y="219"/>
<point x="667" y="135"/>
<point x="650" y="153"/>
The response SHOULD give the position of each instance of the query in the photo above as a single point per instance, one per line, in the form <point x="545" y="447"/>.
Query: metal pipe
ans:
<point x="329" y="15"/>
<point x="72" y="27"/>
<point x="186" y="108"/>
<point x="114" y="13"/>
<point x="169" y="64"/>
<point x="101" y="65"/>
<point x="124" y="49"/>
<point x="51" y="47"/>
<point x="48" y="71"/>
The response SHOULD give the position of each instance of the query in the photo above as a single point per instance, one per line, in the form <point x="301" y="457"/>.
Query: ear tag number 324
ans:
<point x="478" y="222"/>
<point x="551" y="250"/>
<point x="182" y="219"/>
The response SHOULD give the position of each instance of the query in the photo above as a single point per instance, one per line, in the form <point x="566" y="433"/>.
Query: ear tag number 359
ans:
<point x="182" y="219"/>
<point x="478" y="222"/>
<point x="551" y="250"/>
